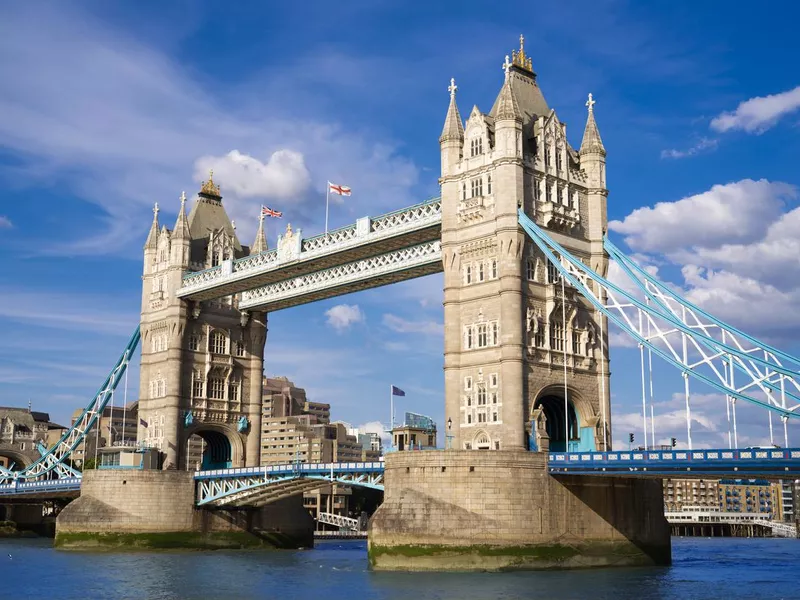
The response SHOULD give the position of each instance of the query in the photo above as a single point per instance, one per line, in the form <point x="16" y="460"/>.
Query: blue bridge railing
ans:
<point x="751" y="461"/>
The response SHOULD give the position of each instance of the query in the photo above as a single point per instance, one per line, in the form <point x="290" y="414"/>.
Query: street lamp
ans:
<point x="449" y="435"/>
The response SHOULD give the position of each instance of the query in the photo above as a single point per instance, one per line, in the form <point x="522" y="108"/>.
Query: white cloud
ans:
<point x="5" y="222"/>
<point x="734" y="212"/>
<point x="379" y="428"/>
<point x="77" y="312"/>
<point x="91" y="78"/>
<point x="284" y="174"/>
<point x="425" y="327"/>
<point x="758" y="114"/>
<point x="342" y="316"/>
<point x="701" y="145"/>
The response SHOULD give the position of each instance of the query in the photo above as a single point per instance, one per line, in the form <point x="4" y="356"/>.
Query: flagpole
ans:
<point x="327" y="196"/>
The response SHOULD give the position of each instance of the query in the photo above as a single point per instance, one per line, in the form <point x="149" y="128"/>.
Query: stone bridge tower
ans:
<point x="509" y="330"/>
<point x="202" y="362"/>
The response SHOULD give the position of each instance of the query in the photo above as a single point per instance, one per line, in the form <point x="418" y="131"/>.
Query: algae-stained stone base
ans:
<point x="155" y="509"/>
<point x="496" y="510"/>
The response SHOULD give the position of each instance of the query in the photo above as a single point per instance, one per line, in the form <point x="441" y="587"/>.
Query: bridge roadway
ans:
<point x="256" y="486"/>
<point x="369" y="253"/>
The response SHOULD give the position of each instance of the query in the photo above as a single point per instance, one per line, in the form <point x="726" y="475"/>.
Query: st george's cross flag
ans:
<point x="268" y="212"/>
<point x="342" y="190"/>
<point x="396" y="391"/>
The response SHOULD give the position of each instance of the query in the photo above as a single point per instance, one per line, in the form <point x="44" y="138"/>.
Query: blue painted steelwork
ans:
<point x="18" y="487"/>
<point x="52" y="462"/>
<point x="224" y="486"/>
<point x="625" y="261"/>
<point x="670" y="463"/>
<point x="549" y="248"/>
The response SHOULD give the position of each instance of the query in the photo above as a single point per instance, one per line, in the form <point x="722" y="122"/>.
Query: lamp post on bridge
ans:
<point x="449" y="436"/>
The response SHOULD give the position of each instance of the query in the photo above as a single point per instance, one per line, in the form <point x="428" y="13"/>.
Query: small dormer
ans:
<point x="476" y="135"/>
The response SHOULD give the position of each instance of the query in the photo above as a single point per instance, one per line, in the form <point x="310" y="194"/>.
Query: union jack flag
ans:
<point x="268" y="212"/>
<point x="342" y="190"/>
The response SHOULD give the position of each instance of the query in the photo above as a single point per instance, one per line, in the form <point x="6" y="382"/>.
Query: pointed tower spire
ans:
<point x="152" y="237"/>
<point x="591" y="136"/>
<point x="260" y="244"/>
<point x="182" y="225"/>
<point x="506" y="106"/>
<point x="453" y="127"/>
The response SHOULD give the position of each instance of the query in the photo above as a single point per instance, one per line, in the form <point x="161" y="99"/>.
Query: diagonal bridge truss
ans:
<point x="702" y="347"/>
<point x="53" y="462"/>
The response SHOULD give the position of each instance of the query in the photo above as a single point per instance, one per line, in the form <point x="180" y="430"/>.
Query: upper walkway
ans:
<point x="369" y="253"/>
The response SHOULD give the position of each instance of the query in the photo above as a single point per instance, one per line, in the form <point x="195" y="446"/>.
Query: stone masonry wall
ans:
<point x="501" y="509"/>
<point x="122" y="504"/>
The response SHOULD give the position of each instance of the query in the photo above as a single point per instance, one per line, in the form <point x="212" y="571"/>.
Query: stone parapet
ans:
<point x="492" y="510"/>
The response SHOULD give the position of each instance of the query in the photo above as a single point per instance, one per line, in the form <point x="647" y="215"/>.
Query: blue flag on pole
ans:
<point x="396" y="391"/>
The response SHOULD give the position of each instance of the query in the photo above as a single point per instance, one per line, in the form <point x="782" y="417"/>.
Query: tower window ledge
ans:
<point x="157" y="295"/>
<point x="553" y="214"/>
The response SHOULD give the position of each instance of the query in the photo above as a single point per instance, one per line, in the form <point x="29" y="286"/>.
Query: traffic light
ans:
<point x="630" y="438"/>
<point x="674" y="442"/>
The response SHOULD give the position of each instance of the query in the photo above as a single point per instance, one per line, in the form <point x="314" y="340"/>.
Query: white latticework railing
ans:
<point x="365" y="231"/>
<point x="257" y="260"/>
<point x="360" y="270"/>
<point x="332" y="238"/>
<point x="420" y="213"/>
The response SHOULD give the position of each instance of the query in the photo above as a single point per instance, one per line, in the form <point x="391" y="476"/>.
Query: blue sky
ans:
<point x="106" y="108"/>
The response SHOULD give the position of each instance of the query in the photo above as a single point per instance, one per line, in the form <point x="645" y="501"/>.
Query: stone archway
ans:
<point x="17" y="459"/>
<point x="550" y="421"/>
<point x="213" y="446"/>
<point x="482" y="441"/>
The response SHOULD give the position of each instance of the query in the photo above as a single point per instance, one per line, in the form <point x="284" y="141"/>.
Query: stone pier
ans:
<point x="498" y="510"/>
<point x="155" y="509"/>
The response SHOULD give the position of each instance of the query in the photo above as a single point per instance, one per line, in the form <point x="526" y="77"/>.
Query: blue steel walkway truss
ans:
<point x="257" y="486"/>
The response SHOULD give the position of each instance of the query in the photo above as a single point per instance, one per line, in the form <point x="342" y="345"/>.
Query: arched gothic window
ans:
<point x="219" y="343"/>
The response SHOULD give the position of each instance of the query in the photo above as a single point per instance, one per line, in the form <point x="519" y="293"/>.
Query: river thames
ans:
<point x="705" y="569"/>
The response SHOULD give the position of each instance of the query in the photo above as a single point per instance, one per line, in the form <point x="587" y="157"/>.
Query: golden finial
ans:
<point x="520" y="59"/>
<point x="209" y="188"/>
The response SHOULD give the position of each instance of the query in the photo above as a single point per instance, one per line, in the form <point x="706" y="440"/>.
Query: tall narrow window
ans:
<point x="480" y="271"/>
<point x="233" y="391"/>
<point x="482" y="338"/>
<point x="489" y="184"/>
<point x="240" y="348"/>
<point x="557" y="337"/>
<point x="552" y="273"/>
<point x="464" y="191"/>
<point x="559" y="161"/>
<point x="481" y="396"/>
<point x="469" y="338"/>
<point x="468" y="274"/>
<point x="194" y="342"/>
<point x="530" y="269"/>
<point x="197" y="387"/>
<point x="494" y="268"/>
<point x="538" y="339"/>
<point x="576" y="343"/>
<point x="494" y="333"/>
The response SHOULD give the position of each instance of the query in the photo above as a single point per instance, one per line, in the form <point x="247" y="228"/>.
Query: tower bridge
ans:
<point x="519" y="234"/>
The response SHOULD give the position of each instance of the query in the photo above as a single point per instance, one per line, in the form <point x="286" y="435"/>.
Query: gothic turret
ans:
<point x="591" y="136"/>
<point x="452" y="139"/>
<point x="593" y="163"/>
<point x="181" y="238"/>
<point x="507" y="119"/>
<point x="152" y="237"/>
<point x="260" y="243"/>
